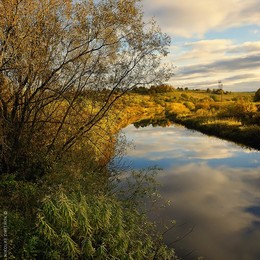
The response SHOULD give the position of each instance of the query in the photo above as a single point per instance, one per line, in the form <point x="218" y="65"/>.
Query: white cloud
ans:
<point x="246" y="47"/>
<point x="170" y="143"/>
<point x="204" y="51"/>
<point x="194" y="18"/>
<point x="202" y="63"/>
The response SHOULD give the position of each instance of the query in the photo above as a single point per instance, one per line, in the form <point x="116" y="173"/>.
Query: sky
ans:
<point x="212" y="40"/>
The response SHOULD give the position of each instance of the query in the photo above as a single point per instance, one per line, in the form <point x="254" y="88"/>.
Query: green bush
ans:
<point x="215" y="98"/>
<point x="184" y="96"/>
<point x="81" y="223"/>
<point x="18" y="203"/>
<point x="189" y="105"/>
<point x="96" y="227"/>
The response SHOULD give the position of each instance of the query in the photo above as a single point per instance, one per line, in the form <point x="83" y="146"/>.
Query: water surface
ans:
<point x="214" y="186"/>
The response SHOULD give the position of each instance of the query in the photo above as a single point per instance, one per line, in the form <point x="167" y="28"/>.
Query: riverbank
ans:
<point x="73" y="207"/>
<point x="247" y="135"/>
<point x="236" y="118"/>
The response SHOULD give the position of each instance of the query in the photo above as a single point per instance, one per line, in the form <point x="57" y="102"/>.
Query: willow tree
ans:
<point x="63" y="64"/>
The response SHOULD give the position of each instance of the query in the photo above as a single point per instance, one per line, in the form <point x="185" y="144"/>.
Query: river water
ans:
<point x="214" y="187"/>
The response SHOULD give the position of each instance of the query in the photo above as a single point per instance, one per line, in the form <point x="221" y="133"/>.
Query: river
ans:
<point x="214" y="187"/>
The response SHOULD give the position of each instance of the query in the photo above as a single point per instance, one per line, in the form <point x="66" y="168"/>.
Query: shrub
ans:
<point x="177" y="108"/>
<point x="96" y="227"/>
<point x="202" y="112"/>
<point x="185" y="96"/>
<point x="238" y="110"/>
<point x="214" y="97"/>
<point x="18" y="200"/>
<point x="189" y="105"/>
<point x="257" y="95"/>
<point x="203" y="105"/>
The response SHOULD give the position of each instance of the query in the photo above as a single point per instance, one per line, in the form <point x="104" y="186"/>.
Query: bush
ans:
<point x="203" y="105"/>
<point x="185" y="96"/>
<point x="202" y="112"/>
<point x="18" y="201"/>
<point x="257" y="95"/>
<point x="96" y="227"/>
<point x="189" y="105"/>
<point x="214" y="97"/>
<point x="177" y="108"/>
<point x="241" y="110"/>
<point x="84" y="222"/>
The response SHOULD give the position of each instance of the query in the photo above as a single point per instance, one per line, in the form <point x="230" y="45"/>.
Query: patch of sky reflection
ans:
<point x="214" y="185"/>
<point x="176" y="146"/>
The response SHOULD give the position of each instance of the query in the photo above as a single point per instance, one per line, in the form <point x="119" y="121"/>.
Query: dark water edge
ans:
<point x="249" y="137"/>
<point x="214" y="187"/>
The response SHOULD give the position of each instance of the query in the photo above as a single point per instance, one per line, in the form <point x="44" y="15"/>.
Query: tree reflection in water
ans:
<point x="163" y="122"/>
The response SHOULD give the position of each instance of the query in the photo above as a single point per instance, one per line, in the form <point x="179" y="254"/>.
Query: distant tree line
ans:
<point x="163" y="88"/>
<point x="217" y="91"/>
<point x="166" y="88"/>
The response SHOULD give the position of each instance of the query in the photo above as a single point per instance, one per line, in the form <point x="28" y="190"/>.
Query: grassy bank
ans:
<point x="235" y="118"/>
<point x="228" y="129"/>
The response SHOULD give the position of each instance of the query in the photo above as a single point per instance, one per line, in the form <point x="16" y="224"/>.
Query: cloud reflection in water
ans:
<point x="214" y="184"/>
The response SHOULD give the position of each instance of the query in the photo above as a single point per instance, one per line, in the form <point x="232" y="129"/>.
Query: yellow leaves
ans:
<point x="226" y="122"/>
<point x="177" y="108"/>
<point x="128" y="7"/>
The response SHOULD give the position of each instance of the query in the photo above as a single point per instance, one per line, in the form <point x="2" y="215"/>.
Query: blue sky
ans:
<point x="211" y="41"/>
